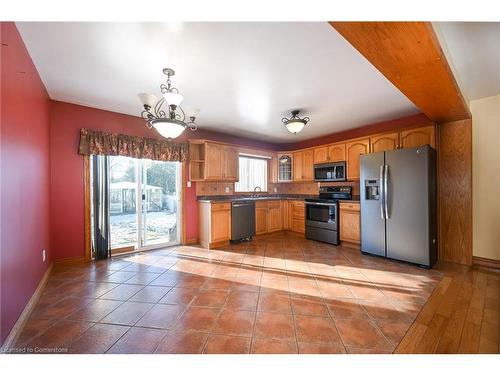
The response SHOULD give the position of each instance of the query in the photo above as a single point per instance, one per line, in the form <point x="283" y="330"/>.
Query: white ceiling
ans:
<point x="473" y="51"/>
<point x="243" y="76"/>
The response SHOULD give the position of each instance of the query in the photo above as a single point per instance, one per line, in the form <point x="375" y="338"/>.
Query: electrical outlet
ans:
<point x="227" y="189"/>
<point x="43" y="256"/>
<point x="189" y="184"/>
<point x="275" y="189"/>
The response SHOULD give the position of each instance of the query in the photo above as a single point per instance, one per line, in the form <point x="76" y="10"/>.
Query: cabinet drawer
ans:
<point x="260" y="204"/>
<point x="349" y="206"/>
<point x="220" y="206"/>
<point x="273" y="204"/>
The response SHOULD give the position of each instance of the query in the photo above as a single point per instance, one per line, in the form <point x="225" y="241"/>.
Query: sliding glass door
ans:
<point x="144" y="199"/>
<point x="160" y="202"/>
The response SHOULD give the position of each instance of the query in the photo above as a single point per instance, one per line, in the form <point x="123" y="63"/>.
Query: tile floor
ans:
<point x="277" y="294"/>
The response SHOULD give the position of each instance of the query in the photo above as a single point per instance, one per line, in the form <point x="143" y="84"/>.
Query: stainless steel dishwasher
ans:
<point x="242" y="220"/>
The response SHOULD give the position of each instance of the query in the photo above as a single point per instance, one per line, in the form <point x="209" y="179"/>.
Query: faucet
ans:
<point x="255" y="191"/>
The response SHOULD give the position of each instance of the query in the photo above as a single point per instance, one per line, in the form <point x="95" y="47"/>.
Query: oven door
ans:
<point x="321" y="215"/>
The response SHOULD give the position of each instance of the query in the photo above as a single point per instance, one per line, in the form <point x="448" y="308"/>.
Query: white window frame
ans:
<point x="242" y="169"/>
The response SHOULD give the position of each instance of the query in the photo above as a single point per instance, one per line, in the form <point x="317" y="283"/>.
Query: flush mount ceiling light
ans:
<point x="170" y="122"/>
<point x="295" y="124"/>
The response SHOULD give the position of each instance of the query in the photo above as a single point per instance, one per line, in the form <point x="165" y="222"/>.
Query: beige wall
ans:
<point x="486" y="176"/>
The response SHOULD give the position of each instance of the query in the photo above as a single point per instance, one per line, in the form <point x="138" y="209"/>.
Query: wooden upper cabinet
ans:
<point x="418" y="137"/>
<point x="320" y="155"/>
<point x="336" y="152"/>
<point x="230" y="164"/>
<point x="331" y="153"/>
<point x="354" y="150"/>
<point x="384" y="142"/>
<point x="213" y="162"/>
<point x="221" y="162"/>
<point x="308" y="165"/>
<point x="298" y="161"/>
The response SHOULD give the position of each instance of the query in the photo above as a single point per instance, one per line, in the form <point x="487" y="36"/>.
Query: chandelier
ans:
<point x="295" y="124"/>
<point x="166" y="114"/>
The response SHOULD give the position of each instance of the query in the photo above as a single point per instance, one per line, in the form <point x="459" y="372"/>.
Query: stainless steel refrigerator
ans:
<point x="398" y="205"/>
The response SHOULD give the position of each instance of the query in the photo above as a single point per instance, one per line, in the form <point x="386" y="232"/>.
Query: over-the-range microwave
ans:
<point x="330" y="171"/>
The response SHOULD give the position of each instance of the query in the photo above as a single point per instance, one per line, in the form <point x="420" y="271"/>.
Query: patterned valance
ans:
<point x="93" y="142"/>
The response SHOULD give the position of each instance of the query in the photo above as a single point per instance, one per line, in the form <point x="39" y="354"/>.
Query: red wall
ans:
<point x="24" y="161"/>
<point x="67" y="191"/>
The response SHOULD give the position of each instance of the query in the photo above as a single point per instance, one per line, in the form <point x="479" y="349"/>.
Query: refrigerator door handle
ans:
<point x="386" y="191"/>
<point x="382" y="193"/>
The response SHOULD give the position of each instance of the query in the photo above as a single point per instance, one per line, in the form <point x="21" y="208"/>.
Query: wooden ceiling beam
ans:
<point x="409" y="55"/>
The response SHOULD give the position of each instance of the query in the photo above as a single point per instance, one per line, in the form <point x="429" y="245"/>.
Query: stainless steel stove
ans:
<point x="322" y="214"/>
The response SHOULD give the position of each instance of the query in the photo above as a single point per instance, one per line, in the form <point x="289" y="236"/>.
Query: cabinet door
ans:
<point x="308" y="166"/>
<point x="230" y="164"/>
<point x="384" y="142"/>
<point x="320" y="155"/>
<point x="261" y="220"/>
<point x="298" y="161"/>
<point x="353" y="151"/>
<point x="336" y="152"/>
<point x="274" y="222"/>
<point x="213" y="163"/>
<point x="349" y="226"/>
<point x="418" y="137"/>
<point x="298" y="214"/>
<point x="220" y="225"/>
<point x="285" y="213"/>
<point x="273" y="167"/>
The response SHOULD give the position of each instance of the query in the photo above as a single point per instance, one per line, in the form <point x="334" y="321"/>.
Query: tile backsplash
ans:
<point x="227" y="188"/>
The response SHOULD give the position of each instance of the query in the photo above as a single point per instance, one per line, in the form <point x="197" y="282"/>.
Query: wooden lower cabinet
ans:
<point x="214" y="223"/>
<point x="350" y="223"/>
<point x="298" y="216"/>
<point x="261" y="216"/>
<point x="268" y="216"/>
<point x="274" y="218"/>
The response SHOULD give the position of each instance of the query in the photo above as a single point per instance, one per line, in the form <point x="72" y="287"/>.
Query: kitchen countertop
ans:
<point x="232" y="198"/>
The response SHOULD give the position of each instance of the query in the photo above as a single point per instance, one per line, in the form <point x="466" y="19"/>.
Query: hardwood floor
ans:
<point x="279" y="293"/>
<point x="461" y="316"/>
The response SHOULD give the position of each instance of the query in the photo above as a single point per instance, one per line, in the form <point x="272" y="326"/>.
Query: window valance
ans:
<point x="93" y="142"/>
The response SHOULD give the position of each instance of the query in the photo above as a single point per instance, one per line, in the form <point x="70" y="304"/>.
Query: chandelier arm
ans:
<point x="148" y="116"/>
<point x="158" y="106"/>
<point x="183" y="114"/>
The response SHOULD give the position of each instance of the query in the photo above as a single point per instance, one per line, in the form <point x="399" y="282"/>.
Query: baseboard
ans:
<point x="486" y="262"/>
<point x="191" y="241"/>
<point x="351" y="245"/>
<point x="70" y="261"/>
<point x="23" y="318"/>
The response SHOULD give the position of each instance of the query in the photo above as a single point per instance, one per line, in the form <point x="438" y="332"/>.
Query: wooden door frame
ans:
<point x="87" y="203"/>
